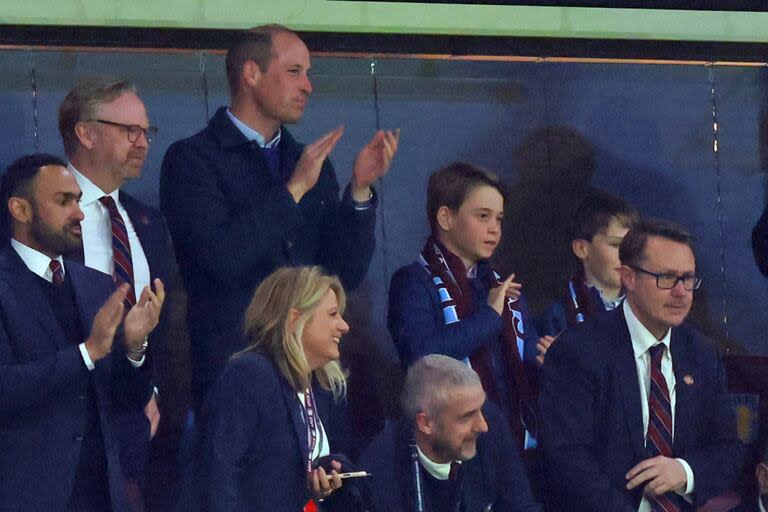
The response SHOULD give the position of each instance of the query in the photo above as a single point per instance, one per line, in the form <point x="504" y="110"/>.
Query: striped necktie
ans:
<point x="658" y="440"/>
<point x="121" y="250"/>
<point x="57" y="273"/>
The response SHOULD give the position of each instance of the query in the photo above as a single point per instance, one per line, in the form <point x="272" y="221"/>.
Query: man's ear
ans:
<point x="250" y="73"/>
<point x="761" y="475"/>
<point x="627" y="276"/>
<point x="444" y="218"/>
<point x="580" y="248"/>
<point x="424" y="424"/>
<point x="84" y="134"/>
<point x="20" y="208"/>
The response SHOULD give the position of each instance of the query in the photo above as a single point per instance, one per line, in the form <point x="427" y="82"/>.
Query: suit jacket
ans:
<point x="42" y="414"/>
<point x="591" y="417"/>
<point x="233" y="224"/>
<point x="494" y="480"/>
<point x="252" y="444"/>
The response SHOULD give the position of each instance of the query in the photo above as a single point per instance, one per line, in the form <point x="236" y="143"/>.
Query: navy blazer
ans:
<point x="233" y="224"/>
<point x="42" y="414"/>
<point x="252" y="444"/>
<point x="493" y="480"/>
<point x="591" y="417"/>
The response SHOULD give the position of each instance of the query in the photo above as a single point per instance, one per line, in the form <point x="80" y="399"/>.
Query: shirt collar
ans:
<point x="37" y="262"/>
<point x="91" y="192"/>
<point x="641" y="337"/>
<point x="760" y="503"/>
<point x="609" y="304"/>
<point x="441" y="471"/>
<point x="252" y="135"/>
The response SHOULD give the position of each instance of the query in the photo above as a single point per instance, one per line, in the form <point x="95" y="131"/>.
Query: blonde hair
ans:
<point x="268" y="330"/>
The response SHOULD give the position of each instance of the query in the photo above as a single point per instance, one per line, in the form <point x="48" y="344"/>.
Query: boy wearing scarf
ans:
<point x="601" y="221"/>
<point x="451" y="302"/>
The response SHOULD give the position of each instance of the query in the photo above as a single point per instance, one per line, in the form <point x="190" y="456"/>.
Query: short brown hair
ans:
<point x="451" y="185"/>
<point x="632" y="248"/>
<point x="596" y="210"/>
<point x="80" y="102"/>
<point x="254" y="44"/>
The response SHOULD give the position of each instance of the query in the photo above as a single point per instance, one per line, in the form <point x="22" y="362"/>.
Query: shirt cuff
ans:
<point x="136" y="364"/>
<point x="689" y="487"/>
<point x="86" y="357"/>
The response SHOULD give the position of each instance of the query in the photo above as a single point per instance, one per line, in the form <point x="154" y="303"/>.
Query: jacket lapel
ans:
<point x="295" y="412"/>
<point x="32" y="296"/>
<point x="684" y="385"/>
<point x="626" y="374"/>
<point x="142" y="224"/>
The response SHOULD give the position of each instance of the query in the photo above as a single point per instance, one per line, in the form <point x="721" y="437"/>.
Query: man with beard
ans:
<point x="451" y="450"/>
<point x="243" y="197"/>
<point x="634" y="410"/>
<point x="66" y="373"/>
<point x="106" y="133"/>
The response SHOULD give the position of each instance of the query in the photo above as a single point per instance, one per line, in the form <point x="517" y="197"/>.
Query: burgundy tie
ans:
<point x="453" y="474"/>
<point x="659" y="436"/>
<point x="57" y="273"/>
<point x="121" y="250"/>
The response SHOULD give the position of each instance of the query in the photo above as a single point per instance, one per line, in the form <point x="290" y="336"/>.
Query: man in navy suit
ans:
<point x="64" y="380"/>
<point x="456" y="444"/>
<point x="106" y="133"/>
<point x="634" y="411"/>
<point x="243" y="197"/>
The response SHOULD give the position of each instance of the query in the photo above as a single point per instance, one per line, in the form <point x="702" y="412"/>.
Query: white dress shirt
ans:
<point x="642" y="340"/>
<point x="760" y="503"/>
<point x="40" y="265"/>
<point x="97" y="233"/>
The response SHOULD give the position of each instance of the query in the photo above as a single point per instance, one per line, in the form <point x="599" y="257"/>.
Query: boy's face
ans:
<point x="473" y="232"/>
<point x="600" y="257"/>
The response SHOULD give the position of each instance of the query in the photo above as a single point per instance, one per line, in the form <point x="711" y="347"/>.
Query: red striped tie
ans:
<point x="121" y="250"/>
<point x="57" y="273"/>
<point x="658" y="440"/>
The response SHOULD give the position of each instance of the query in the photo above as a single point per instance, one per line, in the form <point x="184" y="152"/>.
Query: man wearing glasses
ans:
<point x="106" y="134"/>
<point x="634" y="410"/>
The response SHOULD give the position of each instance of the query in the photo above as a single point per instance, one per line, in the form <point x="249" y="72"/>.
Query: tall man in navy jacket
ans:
<point x="634" y="413"/>
<point x="64" y="378"/>
<point x="456" y="444"/>
<point x="106" y="133"/>
<point x="243" y="197"/>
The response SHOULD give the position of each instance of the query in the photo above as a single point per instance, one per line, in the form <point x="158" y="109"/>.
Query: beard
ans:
<point x="60" y="242"/>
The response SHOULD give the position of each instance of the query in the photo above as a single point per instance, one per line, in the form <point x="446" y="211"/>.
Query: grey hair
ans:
<point x="429" y="382"/>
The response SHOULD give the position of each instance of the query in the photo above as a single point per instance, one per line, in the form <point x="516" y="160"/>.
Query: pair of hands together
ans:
<point x="141" y="319"/>
<point x="371" y="163"/>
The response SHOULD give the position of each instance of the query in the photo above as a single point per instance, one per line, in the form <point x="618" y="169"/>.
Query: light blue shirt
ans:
<point x="252" y="135"/>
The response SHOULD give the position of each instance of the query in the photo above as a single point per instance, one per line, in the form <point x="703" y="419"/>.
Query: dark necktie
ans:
<point x="453" y="474"/>
<point x="659" y="436"/>
<point x="57" y="272"/>
<point x="121" y="250"/>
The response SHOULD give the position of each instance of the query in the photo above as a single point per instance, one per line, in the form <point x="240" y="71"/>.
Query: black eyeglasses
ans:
<point x="668" y="281"/>
<point x="133" y="130"/>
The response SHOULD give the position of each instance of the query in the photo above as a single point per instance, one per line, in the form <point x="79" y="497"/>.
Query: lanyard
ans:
<point x="310" y="419"/>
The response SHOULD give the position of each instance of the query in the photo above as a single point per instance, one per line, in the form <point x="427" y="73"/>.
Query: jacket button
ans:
<point x="289" y="244"/>
<point x="78" y="438"/>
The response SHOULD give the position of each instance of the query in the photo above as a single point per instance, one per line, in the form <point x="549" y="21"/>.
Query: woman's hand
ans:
<point x="322" y="484"/>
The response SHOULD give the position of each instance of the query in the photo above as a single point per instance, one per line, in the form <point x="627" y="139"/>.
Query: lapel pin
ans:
<point x="688" y="379"/>
<point x="144" y="219"/>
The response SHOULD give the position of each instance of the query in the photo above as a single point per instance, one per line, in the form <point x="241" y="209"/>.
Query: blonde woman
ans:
<point x="276" y="407"/>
